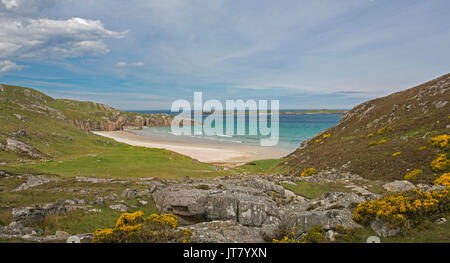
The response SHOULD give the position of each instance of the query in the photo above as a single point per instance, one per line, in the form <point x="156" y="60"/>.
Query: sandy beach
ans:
<point x="225" y="154"/>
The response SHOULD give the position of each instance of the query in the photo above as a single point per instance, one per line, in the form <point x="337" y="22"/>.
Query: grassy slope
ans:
<point x="74" y="152"/>
<point x="413" y="122"/>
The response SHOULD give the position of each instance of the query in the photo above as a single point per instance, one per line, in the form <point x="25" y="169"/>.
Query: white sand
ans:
<point x="227" y="154"/>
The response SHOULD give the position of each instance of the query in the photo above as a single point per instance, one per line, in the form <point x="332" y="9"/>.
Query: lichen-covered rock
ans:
<point x="119" y="207"/>
<point x="399" y="186"/>
<point x="34" y="180"/>
<point x="129" y="193"/>
<point x="23" y="148"/>
<point x="383" y="229"/>
<point x="225" y="232"/>
<point x="328" y="219"/>
<point x="247" y="201"/>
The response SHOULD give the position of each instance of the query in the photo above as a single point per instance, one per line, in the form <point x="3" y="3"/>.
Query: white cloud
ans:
<point x="130" y="64"/>
<point x="25" y="6"/>
<point x="7" y="65"/>
<point x="47" y="38"/>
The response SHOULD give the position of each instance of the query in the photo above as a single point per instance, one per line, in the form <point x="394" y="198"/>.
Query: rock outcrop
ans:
<point x="253" y="205"/>
<point x="23" y="148"/>
<point x="116" y="121"/>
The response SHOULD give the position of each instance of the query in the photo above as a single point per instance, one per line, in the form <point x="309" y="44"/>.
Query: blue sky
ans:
<point x="145" y="54"/>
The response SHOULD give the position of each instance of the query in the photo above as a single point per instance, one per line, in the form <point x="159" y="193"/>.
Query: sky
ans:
<point x="143" y="55"/>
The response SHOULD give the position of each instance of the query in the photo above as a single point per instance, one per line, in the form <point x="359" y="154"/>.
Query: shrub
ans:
<point x="372" y="143"/>
<point x="326" y="135"/>
<point x="318" y="140"/>
<point x="398" y="209"/>
<point x="370" y="135"/>
<point x="413" y="174"/>
<point x="421" y="148"/>
<point x="440" y="163"/>
<point x="440" y="141"/>
<point x="384" y="130"/>
<point x="133" y="227"/>
<point x="382" y="141"/>
<point x="443" y="180"/>
<point x="396" y="154"/>
<point x="308" y="172"/>
<point x="315" y="235"/>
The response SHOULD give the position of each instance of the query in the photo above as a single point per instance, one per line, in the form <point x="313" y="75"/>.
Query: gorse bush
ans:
<point x="443" y="180"/>
<point x="398" y="210"/>
<point x="308" y="172"/>
<point x="315" y="235"/>
<point x="441" y="163"/>
<point x="413" y="174"/>
<point x="134" y="228"/>
<point x="440" y="141"/>
<point x="321" y="139"/>
<point x="384" y="130"/>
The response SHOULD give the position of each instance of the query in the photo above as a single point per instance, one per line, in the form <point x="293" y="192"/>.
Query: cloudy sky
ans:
<point x="144" y="54"/>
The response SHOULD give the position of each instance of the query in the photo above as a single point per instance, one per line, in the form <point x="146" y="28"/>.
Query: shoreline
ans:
<point x="218" y="154"/>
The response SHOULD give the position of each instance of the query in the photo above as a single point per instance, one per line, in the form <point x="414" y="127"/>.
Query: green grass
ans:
<point x="269" y="166"/>
<point x="125" y="162"/>
<point x="78" y="221"/>
<point x="425" y="232"/>
<point x="314" y="190"/>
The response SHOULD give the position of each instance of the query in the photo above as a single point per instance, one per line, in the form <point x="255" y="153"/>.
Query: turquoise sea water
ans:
<point x="293" y="129"/>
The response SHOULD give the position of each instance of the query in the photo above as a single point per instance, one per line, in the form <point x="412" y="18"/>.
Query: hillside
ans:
<point x="36" y="126"/>
<point x="383" y="138"/>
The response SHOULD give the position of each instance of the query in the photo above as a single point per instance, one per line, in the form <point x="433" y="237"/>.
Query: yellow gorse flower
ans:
<point x="397" y="209"/>
<point x="308" y="172"/>
<point x="443" y="180"/>
<point x="413" y="174"/>
<point x="440" y="141"/>
<point x="440" y="163"/>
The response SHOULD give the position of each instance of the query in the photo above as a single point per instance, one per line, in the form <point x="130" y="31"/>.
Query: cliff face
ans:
<point x="91" y="116"/>
<point x="120" y="123"/>
<point x="117" y="121"/>
<point x="383" y="138"/>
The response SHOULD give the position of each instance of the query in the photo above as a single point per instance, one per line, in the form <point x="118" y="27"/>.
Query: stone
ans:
<point x="119" y="207"/>
<point x="441" y="221"/>
<point x="330" y="235"/>
<point x="341" y="199"/>
<point x="62" y="234"/>
<point x="328" y="219"/>
<point x="245" y="201"/>
<point x="36" y="213"/>
<point x="143" y="202"/>
<point x="224" y="232"/>
<point x="20" y="147"/>
<point x="399" y="186"/>
<point x="100" y="200"/>
<point x="382" y="229"/>
<point x="129" y="193"/>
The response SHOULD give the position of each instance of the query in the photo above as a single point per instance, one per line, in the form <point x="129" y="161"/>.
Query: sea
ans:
<point x="293" y="129"/>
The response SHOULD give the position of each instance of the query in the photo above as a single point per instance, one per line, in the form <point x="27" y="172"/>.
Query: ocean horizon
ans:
<point x="293" y="130"/>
